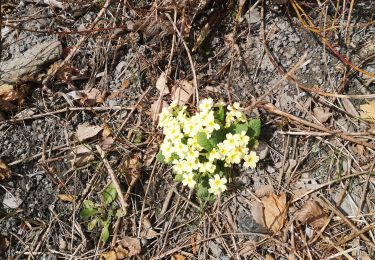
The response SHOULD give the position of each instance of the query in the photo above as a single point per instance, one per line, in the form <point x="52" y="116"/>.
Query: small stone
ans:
<point x="11" y="201"/>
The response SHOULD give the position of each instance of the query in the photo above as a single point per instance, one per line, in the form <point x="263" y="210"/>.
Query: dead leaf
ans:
<point x="4" y="243"/>
<point x="130" y="246"/>
<point x="25" y="113"/>
<point x="257" y="214"/>
<point x="182" y="92"/>
<point x="247" y="248"/>
<point x="5" y="171"/>
<point x="264" y="190"/>
<point x="125" y="248"/>
<point x="130" y="167"/>
<point x="156" y="108"/>
<point x="194" y="247"/>
<point x="269" y="257"/>
<point x="65" y="197"/>
<point x="275" y="210"/>
<point x="125" y="84"/>
<point x="111" y="255"/>
<point x="161" y="84"/>
<point x="312" y="213"/>
<point x="107" y="143"/>
<point x="87" y="97"/>
<point x="349" y="107"/>
<point x="150" y="154"/>
<point x="322" y="114"/>
<point x="9" y="92"/>
<point x="368" y="111"/>
<point x="178" y="257"/>
<point x="86" y="131"/>
<point x="147" y="231"/>
<point x="81" y="155"/>
<point x="106" y="130"/>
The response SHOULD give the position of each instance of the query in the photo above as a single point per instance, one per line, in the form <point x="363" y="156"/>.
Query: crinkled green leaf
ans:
<point x="91" y="225"/>
<point x="178" y="177"/>
<point x="109" y="194"/>
<point x="254" y="127"/>
<point x="202" y="192"/>
<point x="220" y="115"/>
<point x="88" y="212"/>
<point x="217" y="136"/>
<point x="204" y="142"/>
<point x="105" y="231"/>
<point x="239" y="128"/>
<point x="160" y="157"/>
<point x="88" y="204"/>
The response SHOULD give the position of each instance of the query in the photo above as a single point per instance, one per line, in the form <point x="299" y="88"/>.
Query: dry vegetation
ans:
<point x="81" y="86"/>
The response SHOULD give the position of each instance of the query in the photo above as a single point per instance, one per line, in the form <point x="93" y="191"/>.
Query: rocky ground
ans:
<point x="317" y="153"/>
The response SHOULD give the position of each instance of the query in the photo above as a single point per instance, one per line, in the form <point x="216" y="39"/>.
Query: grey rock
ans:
<point x="12" y="201"/>
<point x="30" y="61"/>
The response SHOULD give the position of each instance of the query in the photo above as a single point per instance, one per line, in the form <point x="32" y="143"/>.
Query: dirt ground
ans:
<point x="305" y="68"/>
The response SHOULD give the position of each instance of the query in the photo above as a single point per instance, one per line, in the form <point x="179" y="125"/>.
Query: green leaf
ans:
<point x="254" y="127"/>
<point x="217" y="136"/>
<point x="91" y="225"/>
<point x="202" y="192"/>
<point x="88" y="212"/>
<point x="88" y="204"/>
<point x="160" y="157"/>
<point x="204" y="142"/>
<point x="105" y="231"/>
<point x="109" y="194"/>
<point x="239" y="128"/>
<point x="220" y="115"/>
<point x="178" y="178"/>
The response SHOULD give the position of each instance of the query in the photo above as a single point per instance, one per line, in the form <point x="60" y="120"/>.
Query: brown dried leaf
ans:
<point x="322" y="114"/>
<point x="150" y="154"/>
<point x="183" y="92"/>
<point x="65" y="197"/>
<point x="131" y="169"/>
<point x="257" y="214"/>
<point x="5" y="171"/>
<point x="111" y="255"/>
<point x="125" y="84"/>
<point x="106" y="130"/>
<point x="156" y="108"/>
<point x="368" y="111"/>
<point x="312" y="213"/>
<point x="264" y="190"/>
<point x="9" y="93"/>
<point x="4" y="243"/>
<point x="81" y="155"/>
<point x="161" y="84"/>
<point x="86" y="131"/>
<point x="147" y="231"/>
<point x="178" y="257"/>
<point x="275" y="210"/>
<point x="349" y="107"/>
<point x="128" y="246"/>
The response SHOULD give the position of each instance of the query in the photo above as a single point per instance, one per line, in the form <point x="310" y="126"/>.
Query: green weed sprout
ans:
<point x="203" y="147"/>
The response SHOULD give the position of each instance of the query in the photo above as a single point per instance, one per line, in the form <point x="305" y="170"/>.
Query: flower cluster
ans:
<point x="204" y="146"/>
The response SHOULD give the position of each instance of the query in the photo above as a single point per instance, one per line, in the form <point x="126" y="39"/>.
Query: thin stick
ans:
<point x="271" y="108"/>
<point x="67" y="109"/>
<point x="195" y="81"/>
<point x="80" y="42"/>
<point x="113" y="176"/>
<point x="131" y="112"/>
<point x="332" y="182"/>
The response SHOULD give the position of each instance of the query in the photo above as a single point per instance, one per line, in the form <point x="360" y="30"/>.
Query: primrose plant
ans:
<point x="203" y="147"/>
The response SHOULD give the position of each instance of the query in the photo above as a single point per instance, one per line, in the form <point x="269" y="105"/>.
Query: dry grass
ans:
<point x="327" y="163"/>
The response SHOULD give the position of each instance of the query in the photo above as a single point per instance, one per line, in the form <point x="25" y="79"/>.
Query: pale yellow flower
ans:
<point x="251" y="160"/>
<point x="217" y="185"/>
<point x="188" y="180"/>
